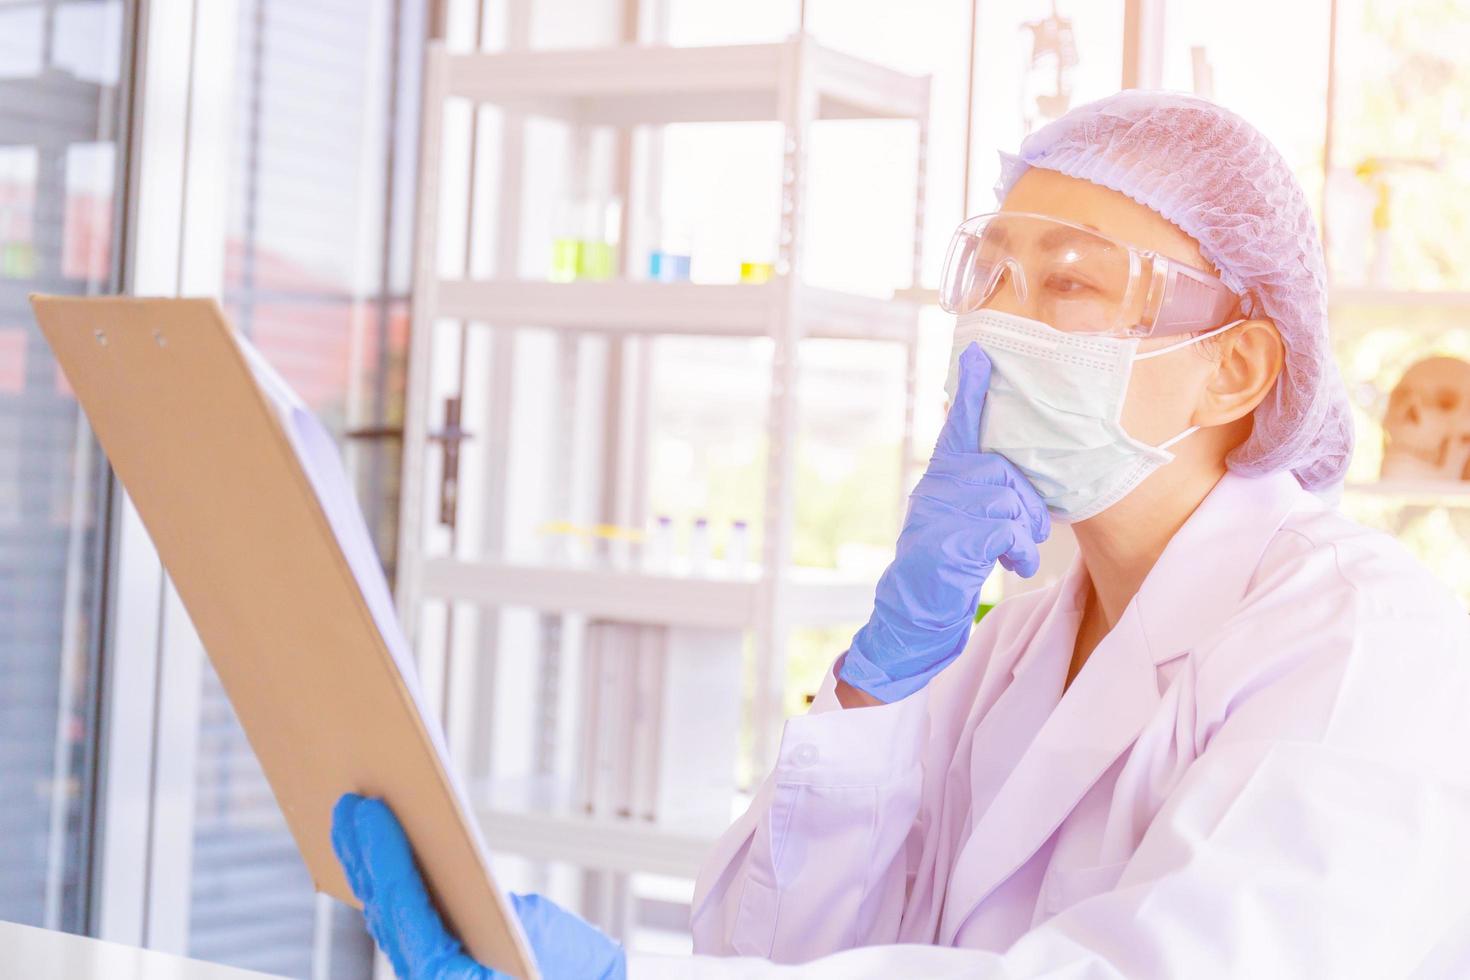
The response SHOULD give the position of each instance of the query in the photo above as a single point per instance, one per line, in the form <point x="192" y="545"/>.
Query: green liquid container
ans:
<point x="597" y="261"/>
<point x="566" y="258"/>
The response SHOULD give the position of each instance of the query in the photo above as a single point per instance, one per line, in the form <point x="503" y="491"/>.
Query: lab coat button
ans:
<point x="804" y="755"/>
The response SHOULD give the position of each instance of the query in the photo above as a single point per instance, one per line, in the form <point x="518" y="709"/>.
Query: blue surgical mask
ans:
<point x="1055" y="405"/>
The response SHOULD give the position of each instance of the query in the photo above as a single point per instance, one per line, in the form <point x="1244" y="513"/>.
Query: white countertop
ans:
<point x="39" y="954"/>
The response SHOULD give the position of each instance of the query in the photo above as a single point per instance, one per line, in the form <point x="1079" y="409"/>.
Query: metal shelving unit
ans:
<point x="695" y="309"/>
<point x="1398" y="299"/>
<point x="796" y="83"/>
<point x="816" y="598"/>
<point x="619" y="846"/>
<point x="1415" y="493"/>
<point x="659" y="84"/>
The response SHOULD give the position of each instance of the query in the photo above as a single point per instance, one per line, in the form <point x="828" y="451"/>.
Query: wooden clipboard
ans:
<point x="213" y="475"/>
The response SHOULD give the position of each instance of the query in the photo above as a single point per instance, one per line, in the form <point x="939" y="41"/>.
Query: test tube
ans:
<point x="758" y="264"/>
<point x="657" y="261"/>
<point x="699" y="547"/>
<point x="735" y="549"/>
<point x="660" y="552"/>
<point x="566" y="242"/>
<point x="756" y="273"/>
<point x="668" y="260"/>
<point x="598" y="258"/>
<point x="677" y="247"/>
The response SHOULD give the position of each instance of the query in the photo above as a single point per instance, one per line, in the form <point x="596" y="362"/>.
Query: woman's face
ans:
<point x="1163" y="391"/>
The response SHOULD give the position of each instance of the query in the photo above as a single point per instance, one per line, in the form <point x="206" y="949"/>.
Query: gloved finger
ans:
<point x="983" y="500"/>
<point x="409" y="924"/>
<point x="961" y="432"/>
<point x="1022" y="557"/>
<point x="347" y="848"/>
<point x="388" y="855"/>
<point x="1006" y="542"/>
<point x="1030" y="499"/>
<point x="991" y="469"/>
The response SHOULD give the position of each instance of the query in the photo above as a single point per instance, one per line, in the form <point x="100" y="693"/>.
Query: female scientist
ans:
<point x="1232" y="741"/>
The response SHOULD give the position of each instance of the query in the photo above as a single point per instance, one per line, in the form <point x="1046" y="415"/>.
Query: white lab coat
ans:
<point x="1261" y="771"/>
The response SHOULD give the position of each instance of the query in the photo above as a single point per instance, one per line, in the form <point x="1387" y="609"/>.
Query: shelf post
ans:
<point x="916" y="278"/>
<point x="483" y="666"/>
<point x="798" y="108"/>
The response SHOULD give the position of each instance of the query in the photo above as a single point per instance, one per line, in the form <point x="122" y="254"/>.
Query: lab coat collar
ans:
<point x="1196" y="583"/>
<point x="1199" y="580"/>
<point x="1063" y="613"/>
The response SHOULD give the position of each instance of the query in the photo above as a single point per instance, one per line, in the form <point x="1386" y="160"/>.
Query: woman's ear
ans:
<point x="1249" y="359"/>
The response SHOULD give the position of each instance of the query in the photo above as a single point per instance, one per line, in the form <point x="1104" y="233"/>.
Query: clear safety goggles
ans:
<point x="1078" y="280"/>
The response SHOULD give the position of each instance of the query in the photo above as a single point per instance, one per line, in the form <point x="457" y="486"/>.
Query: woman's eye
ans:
<point x="1067" y="285"/>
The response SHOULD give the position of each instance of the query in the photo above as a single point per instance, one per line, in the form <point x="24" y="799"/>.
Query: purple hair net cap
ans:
<point x="1225" y="185"/>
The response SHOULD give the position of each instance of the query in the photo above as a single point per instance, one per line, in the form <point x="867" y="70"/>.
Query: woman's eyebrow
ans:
<point x="1054" y="238"/>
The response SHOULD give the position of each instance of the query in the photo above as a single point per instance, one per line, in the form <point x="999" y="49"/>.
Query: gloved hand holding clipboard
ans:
<point x="243" y="494"/>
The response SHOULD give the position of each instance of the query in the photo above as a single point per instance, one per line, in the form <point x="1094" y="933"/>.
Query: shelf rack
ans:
<point x="795" y="83"/>
<point x="1398" y="298"/>
<point x="600" y="844"/>
<point x="816" y="598"/>
<point x="630" y="85"/>
<point x="696" y="309"/>
<point x="1413" y="493"/>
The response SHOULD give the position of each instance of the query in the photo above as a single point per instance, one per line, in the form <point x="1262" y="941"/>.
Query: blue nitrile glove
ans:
<point x="969" y="510"/>
<point x="379" y="864"/>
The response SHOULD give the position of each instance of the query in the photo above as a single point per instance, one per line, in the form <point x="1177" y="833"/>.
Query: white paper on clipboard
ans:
<point x="322" y="462"/>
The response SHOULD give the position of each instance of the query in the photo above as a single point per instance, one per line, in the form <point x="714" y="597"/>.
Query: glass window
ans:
<point x="1397" y="192"/>
<point x="1033" y="61"/>
<point x="1276" y="79"/>
<point x="698" y="22"/>
<point x="1400" y="191"/>
<point x="316" y="274"/>
<point x="59" y="133"/>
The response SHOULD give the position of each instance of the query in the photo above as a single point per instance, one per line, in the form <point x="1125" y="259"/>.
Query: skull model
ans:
<point x="1426" y="431"/>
